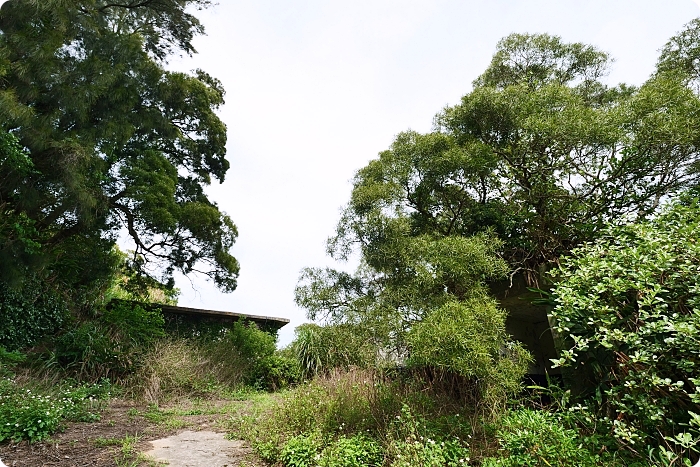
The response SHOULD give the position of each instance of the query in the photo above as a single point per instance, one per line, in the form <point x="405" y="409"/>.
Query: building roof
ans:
<point x="264" y="322"/>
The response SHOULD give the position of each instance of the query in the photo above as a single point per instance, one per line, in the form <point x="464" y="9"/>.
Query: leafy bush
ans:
<point x="24" y="415"/>
<point x="354" y="451"/>
<point x="29" y="312"/>
<point x="265" y="368"/>
<point x="468" y="338"/>
<point x="628" y="307"/>
<point x="250" y="342"/>
<point x="276" y="372"/>
<point x="35" y="414"/>
<point x="300" y="451"/>
<point x="110" y="345"/>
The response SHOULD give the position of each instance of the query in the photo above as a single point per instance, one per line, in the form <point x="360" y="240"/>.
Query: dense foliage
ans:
<point x="108" y="140"/>
<point x="628" y="307"/>
<point x="422" y="300"/>
<point x="264" y="367"/>
<point x="541" y="153"/>
<point x="29" y="313"/>
<point x="110" y="345"/>
<point x="542" y="162"/>
<point x="536" y="160"/>
<point x="538" y="438"/>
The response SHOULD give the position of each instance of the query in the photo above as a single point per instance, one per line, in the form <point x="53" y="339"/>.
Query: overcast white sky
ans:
<point x="316" y="88"/>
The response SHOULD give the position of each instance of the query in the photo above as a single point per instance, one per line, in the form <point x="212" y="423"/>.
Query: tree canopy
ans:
<point x="536" y="160"/>
<point x="98" y="138"/>
<point x="542" y="153"/>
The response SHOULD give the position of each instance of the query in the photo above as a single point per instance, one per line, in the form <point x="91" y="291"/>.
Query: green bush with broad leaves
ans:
<point x="265" y="367"/>
<point x="30" y="311"/>
<point x="628" y="310"/>
<point x="301" y="451"/>
<point x="310" y="450"/>
<point x="354" y="451"/>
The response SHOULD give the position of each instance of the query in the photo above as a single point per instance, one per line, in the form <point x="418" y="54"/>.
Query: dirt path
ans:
<point x="127" y="435"/>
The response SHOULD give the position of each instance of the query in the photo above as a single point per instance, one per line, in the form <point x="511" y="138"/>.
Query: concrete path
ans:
<point x="198" y="449"/>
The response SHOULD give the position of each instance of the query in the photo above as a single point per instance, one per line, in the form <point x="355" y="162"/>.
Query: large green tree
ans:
<point x="110" y="141"/>
<point x="534" y="161"/>
<point x="542" y="153"/>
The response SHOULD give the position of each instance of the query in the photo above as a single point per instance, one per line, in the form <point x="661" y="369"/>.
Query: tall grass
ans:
<point x="176" y="368"/>
<point x="213" y="362"/>
<point x="345" y="405"/>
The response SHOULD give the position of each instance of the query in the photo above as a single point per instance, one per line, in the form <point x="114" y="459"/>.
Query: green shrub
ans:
<point x="354" y="451"/>
<point x="628" y="308"/>
<point x="307" y="450"/>
<point x="110" y="345"/>
<point x="300" y="451"/>
<point x="29" y="312"/>
<point x="139" y="325"/>
<point x="468" y="338"/>
<point x="24" y="415"/>
<point x="264" y="367"/>
<point x="276" y="372"/>
<point x="250" y="342"/>
<point x="537" y="438"/>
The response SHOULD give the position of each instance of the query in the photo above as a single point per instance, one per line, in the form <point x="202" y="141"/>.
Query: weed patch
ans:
<point x="36" y="413"/>
<point x="358" y="418"/>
